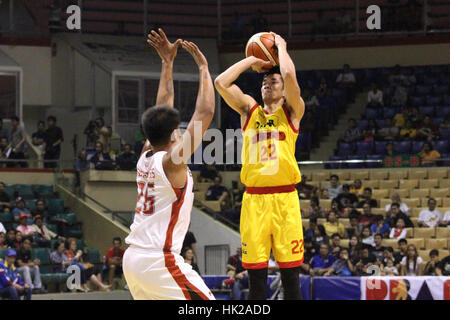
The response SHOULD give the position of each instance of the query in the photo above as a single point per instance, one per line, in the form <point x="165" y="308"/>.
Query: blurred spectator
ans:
<point x="443" y="267"/>
<point x="19" y="239"/>
<point x="10" y="240"/>
<point x="430" y="217"/>
<point x="355" y="228"/>
<point x="323" y="86"/>
<point x="347" y="80"/>
<point x="310" y="252"/>
<point x="114" y="257"/>
<point x="333" y="225"/>
<point x="389" y="132"/>
<point x="309" y="233"/>
<point x="399" y="232"/>
<point x="272" y="267"/>
<point x="367" y="198"/>
<point x="395" y="198"/>
<point x="81" y="165"/>
<point x="58" y="258"/>
<point x="39" y="136"/>
<point x="53" y="139"/>
<point x="93" y="272"/>
<point x="189" y="242"/>
<point x="367" y="237"/>
<point x="11" y="284"/>
<point x="188" y="256"/>
<point x="311" y="100"/>
<point x="394" y="214"/>
<point x="357" y="188"/>
<point x="396" y="77"/>
<point x="346" y="199"/>
<point x="305" y="190"/>
<point x="75" y="257"/>
<point x="20" y="209"/>
<point x="342" y="266"/>
<point x="139" y="140"/>
<point x="401" y="253"/>
<point x="352" y="133"/>
<point x="324" y="194"/>
<point x="127" y="159"/>
<point x="23" y="227"/>
<point x="259" y="22"/>
<point x="2" y="235"/>
<point x="446" y="220"/>
<point x="415" y="116"/>
<point x="335" y="245"/>
<point x="400" y="96"/>
<point x="428" y="154"/>
<point x="378" y="249"/>
<point x="40" y="210"/>
<point x="409" y="79"/>
<point x="446" y="123"/>
<point x="367" y="218"/>
<point x="371" y="132"/>
<point x="100" y="159"/>
<point x="335" y="208"/>
<point x="388" y="254"/>
<point x="238" y="275"/>
<point x="354" y="248"/>
<point x="427" y="130"/>
<point x="412" y="263"/>
<point x="321" y="24"/>
<point x="334" y="188"/>
<point x="91" y="134"/>
<point x="408" y="132"/>
<point x="375" y="97"/>
<point x="343" y="22"/>
<point x="29" y="269"/>
<point x="320" y="236"/>
<point x="5" y="201"/>
<point x="390" y="269"/>
<point x="400" y="118"/>
<point x="322" y="261"/>
<point x="380" y="226"/>
<point x="366" y="259"/>
<point x="314" y="210"/>
<point x="43" y="235"/>
<point x="217" y="192"/>
<point x="103" y="134"/>
<point x="430" y="267"/>
<point x="3" y="131"/>
<point x="17" y="142"/>
<point x="208" y="173"/>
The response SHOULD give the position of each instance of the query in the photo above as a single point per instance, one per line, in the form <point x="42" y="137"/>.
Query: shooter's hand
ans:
<point x="166" y="50"/>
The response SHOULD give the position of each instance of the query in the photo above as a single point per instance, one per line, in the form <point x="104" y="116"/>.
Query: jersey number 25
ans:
<point x="145" y="202"/>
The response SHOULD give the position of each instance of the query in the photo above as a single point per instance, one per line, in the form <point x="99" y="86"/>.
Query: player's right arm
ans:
<point x="230" y="92"/>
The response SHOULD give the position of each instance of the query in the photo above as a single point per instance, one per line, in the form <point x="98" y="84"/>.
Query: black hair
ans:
<point x="315" y="200"/>
<point x="378" y="235"/>
<point x="434" y="252"/>
<point x="313" y="220"/>
<point x="402" y="241"/>
<point x="431" y="199"/>
<point x="322" y="230"/>
<point x="274" y="70"/>
<point x="334" y="176"/>
<point x="117" y="239"/>
<point x="308" y="240"/>
<point x="159" y="122"/>
<point x="53" y="118"/>
<point x="395" y="204"/>
<point x="390" y="249"/>
<point x="368" y="189"/>
<point x="335" y="235"/>
<point x="57" y="244"/>
<point x="16" y="118"/>
<point x="41" y="122"/>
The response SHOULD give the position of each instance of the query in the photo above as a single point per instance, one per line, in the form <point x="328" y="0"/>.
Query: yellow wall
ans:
<point x="10" y="177"/>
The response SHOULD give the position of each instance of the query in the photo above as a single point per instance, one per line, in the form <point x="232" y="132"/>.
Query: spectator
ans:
<point x="354" y="248"/>
<point x="430" y="267"/>
<point x="390" y="149"/>
<point x="390" y="269"/>
<point x="335" y="208"/>
<point x="40" y="210"/>
<point x="305" y="190"/>
<point x="401" y="253"/>
<point x="336" y="245"/>
<point x="43" y="235"/>
<point x="81" y="165"/>
<point x="357" y="188"/>
<point x="127" y="159"/>
<point x="189" y="242"/>
<point x="11" y="284"/>
<point x="188" y="256"/>
<point x="394" y="214"/>
<point x="367" y="218"/>
<point x="396" y="77"/>
<point x="367" y="237"/>
<point x="367" y="198"/>
<point x="23" y="227"/>
<point x="320" y="236"/>
<point x="17" y="142"/>
<point x="399" y="232"/>
<point x="412" y="263"/>
<point x="371" y="132"/>
<point x="415" y="116"/>
<point x="114" y="257"/>
<point x="408" y="132"/>
<point x="19" y="239"/>
<point x="139" y="140"/>
<point x="93" y="272"/>
<point x="208" y="173"/>
<point x="378" y="249"/>
<point x="334" y="188"/>
<point x="388" y="254"/>
<point x="103" y="134"/>
<point x="400" y="96"/>
<point x="75" y="257"/>
<point x="238" y="275"/>
<point x="5" y="204"/>
<point x="366" y="259"/>
<point x="427" y="130"/>
<point x="100" y="159"/>
<point x="310" y="252"/>
<point x="259" y="22"/>
<point x="322" y="261"/>
<point x="380" y="226"/>
<point x="431" y="217"/>
<point x="400" y="118"/>
<point x="91" y="135"/>
<point x="53" y="139"/>
<point x="343" y="22"/>
<point x="342" y="267"/>
<point x="309" y="233"/>
<point x="217" y="192"/>
<point x="389" y="132"/>
<point x="395" y="198"/>
<point x="58" y="258"/>
<point x="347" y="80"/>
<point x="410" y="78"/>
<point x="29" y="269"/>
<point x="352" y="133"/>
<point x="4" y="152"/>
<point x="2" y="236"/>
<point x="375" y="97"/>
<point x="314" y="210"/>
<point x="428" y="154"/>
<point x="355" y="228"/>
<point x="445" y="124"/>
<point x="39" y="136"/>
<point x="346" y="199"/>
<point x="10" y="240"/>
<point x="333" y="225"/>
<point x="446" y="220"/>
<point x="21" y="210"/>
<point x="443" y="267"/>
<point x="3" y="132"/>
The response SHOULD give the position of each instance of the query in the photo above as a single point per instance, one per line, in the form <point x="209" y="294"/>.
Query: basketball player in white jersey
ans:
<point x="152" y="264"/>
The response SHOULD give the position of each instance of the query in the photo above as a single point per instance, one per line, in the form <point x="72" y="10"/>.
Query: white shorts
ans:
<point x="154" y="275"/>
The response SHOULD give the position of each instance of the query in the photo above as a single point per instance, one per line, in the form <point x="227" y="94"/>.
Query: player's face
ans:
<point x="272" y="87"/>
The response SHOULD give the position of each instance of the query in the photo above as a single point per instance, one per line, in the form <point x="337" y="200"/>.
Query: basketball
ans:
<point x="262" y="45"/>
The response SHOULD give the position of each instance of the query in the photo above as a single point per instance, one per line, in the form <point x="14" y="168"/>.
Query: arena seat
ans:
<point x="414" y="220"/>
<point x="321" y="176"/>
<point x="424" y="254"/>
<point x="428" y="183"/>
<point x="418" y="242"/>
<point x="403" y="193"/>
<point x="419" y="193"/>
<point x="390" y="243"/>
<point x="440" y="193"/>
<point x="380" y="193"/>
<point x="444" y="183"/>
<point x="398" y="174"/>
<point x="424" y="233"/>
<point x="408" y="184"/>
<point x="439" y="243"/>
<point x="343" y="174"/>
<point x="321" y="220"/>
<point x="379" y="210"/>
<point x="325" y="203"/>
<point x="388" y="184"/>
<point x="412" y="202"/>
<point x="410" y="232"/>
<point x="419" y="174"/>
<point x="442" y="232"/>
<point x="378" y="174"/>
<point x="214" y="205"/>
<point x="374" y="184"/>
<point x="359" y="174"/>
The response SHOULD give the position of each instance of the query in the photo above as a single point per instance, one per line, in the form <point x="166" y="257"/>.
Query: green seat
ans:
<point x="75" y="233"/>
<point x="69" y="217"/>
<point x="52" y="227"/>
<point x="25" y="190"/>
<point x="94" y="255"/>
<point x="44" y="257"/>
<point x="2" y="253"/>
<point x="45" y="189"/>
<point x="6" y="217"/>
<point x="30" y="204"/>
<point x="55" y="206"/>
<point x="80" y="244"/>
<point x="10" y="191"/>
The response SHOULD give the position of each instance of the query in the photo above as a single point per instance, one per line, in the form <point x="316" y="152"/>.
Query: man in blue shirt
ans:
<point x="11" y="285"/>
<point x="20" y="209"/>
<point x="322" y="261"/>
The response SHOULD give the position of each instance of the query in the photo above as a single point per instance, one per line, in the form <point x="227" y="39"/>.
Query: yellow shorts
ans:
<point x="271" y="219"/>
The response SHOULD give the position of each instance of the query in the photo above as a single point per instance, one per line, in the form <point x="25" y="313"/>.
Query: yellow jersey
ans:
<point x="268" y="151"/>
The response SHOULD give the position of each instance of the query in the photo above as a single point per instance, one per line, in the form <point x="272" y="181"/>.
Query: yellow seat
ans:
<point x="343" y="174"/>
<point x="308" y="175"/>
<point x="418" y="174"/>
<point x="320" y="175"/>
<point x="429" y="183"/>
<point x="437" y="173"/>
<point x="414" y="221"/>
<point x="446" y="202"/>
<point x="410" y="233"/>
<point x="443" y="253"/>
<point x="388" y="184"/>
<point x="443" y="232"/>
<point x="203" y="186"/>
<point x="439" y="243"/>
<point x="315" y="184"/>
<point x="345" y="222"/>
<point x="424" y="202"/>
<point x="414" y="212"/>
<point x="425" y="255"/>
<point x="440" y="193"/>
<point x="345" y="243"/>
<point x="412" y="202"/>
<point x="444" y="183"/>
<point x="374" y="184"/>
<point x="199" y="196"/>
<point x="398" y="174"/>
<point x="214" y="205"/>
<point x="384" y="203"/>
<point x="425" y="233"/>
<point x="419" y="243"/>
<point x="380" y="193"/>
<point x="359" y="174"/>
<point x="408" y="184"/>
<point x="305" y="223"/>
<point x="324" y="184"/>
<point x="403" y="193"/>
<point x="390" y="243"/>
<point x="379" y="210"/>
<point x="325" y="203"/>
<point x="378" y="174"/>
<point x="419" y="193"/>
<point x="305" y="204"/>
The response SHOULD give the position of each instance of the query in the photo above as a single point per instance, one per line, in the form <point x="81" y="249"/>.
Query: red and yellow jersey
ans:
<point x="268" y="151"/>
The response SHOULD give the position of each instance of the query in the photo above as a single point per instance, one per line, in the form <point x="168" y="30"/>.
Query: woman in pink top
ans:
<point x="26" y="230"/>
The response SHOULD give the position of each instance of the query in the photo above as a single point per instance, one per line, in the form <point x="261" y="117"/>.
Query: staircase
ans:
<point x="329" y="143"/>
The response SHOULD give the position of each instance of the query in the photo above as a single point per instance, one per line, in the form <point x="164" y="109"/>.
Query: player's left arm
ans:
<point x="294" y="101"/>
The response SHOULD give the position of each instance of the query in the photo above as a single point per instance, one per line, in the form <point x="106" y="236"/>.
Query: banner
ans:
<point x="405" y="288"/>
<point x="337" y="288"/>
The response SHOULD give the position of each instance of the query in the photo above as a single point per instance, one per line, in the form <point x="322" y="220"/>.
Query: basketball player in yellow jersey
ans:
<point x="270" y="215"/>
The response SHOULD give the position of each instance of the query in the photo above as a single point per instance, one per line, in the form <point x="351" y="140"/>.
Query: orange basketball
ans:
<point x="262" y="46"/>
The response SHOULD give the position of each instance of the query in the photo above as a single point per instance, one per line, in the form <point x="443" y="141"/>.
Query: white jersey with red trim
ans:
<point x="162" y="213"/>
